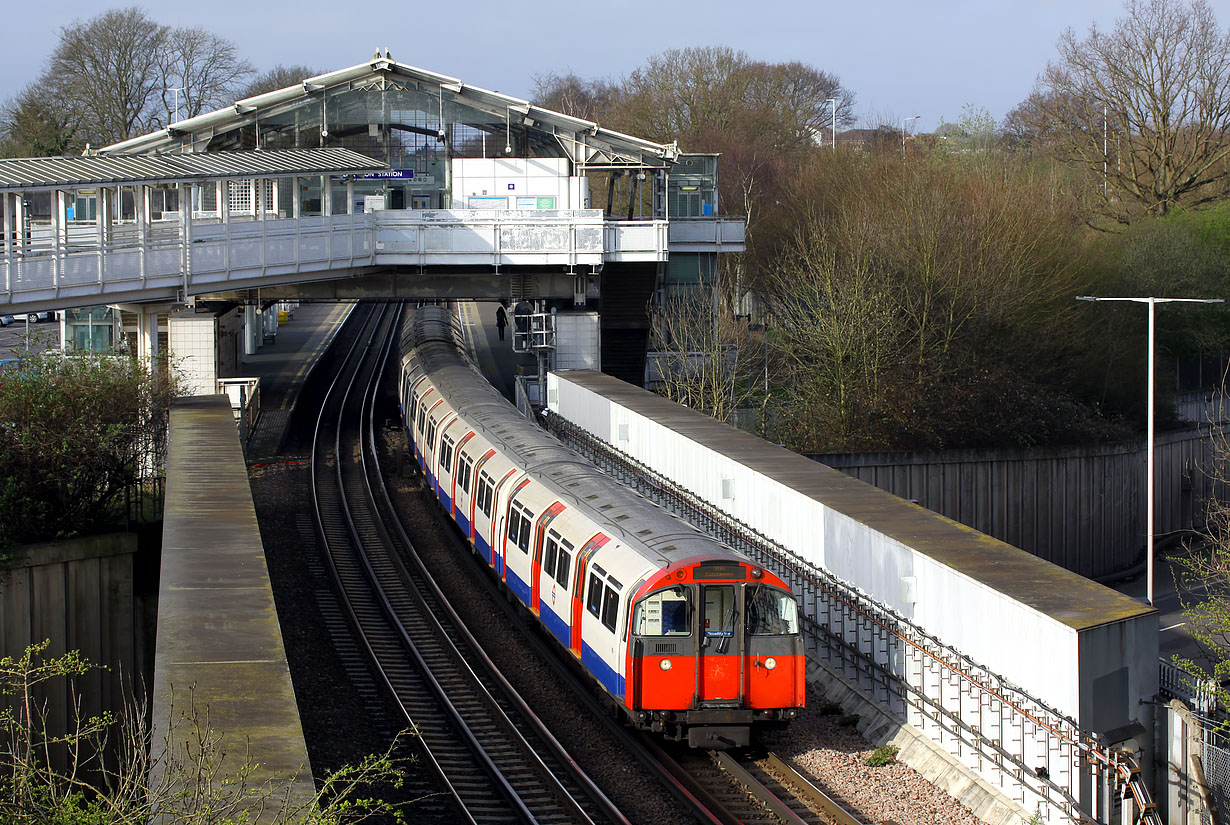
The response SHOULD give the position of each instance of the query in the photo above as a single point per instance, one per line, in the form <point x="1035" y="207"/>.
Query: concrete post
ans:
<point x="147" y="334"/>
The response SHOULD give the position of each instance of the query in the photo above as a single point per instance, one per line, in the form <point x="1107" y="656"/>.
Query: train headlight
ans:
<point x="770" y="663"/>
<point x="665" y="664"/>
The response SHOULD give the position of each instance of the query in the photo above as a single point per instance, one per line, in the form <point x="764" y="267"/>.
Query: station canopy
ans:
<point x="112" y="169"/>
<point x="406" y="117"/>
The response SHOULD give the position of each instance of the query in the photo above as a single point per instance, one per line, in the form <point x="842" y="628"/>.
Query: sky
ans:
<point x="899" y="57"/>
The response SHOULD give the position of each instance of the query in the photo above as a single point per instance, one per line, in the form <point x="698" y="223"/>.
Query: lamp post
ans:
<point x="176" y="114"/>
<point x="905" y="120"/>
<point x="833" y="101"/>
<point x="1152" y="302"/>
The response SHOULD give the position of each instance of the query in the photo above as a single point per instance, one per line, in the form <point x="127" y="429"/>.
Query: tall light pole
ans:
<point x="833" y="101"/>
<point x="1152" y="302"/>
<point x="904" y="120"/>
<point x="175" y="117"/>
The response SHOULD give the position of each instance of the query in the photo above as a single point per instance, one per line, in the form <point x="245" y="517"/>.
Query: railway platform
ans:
<point x="221" y="664"/>
<point x="283" y="365"/>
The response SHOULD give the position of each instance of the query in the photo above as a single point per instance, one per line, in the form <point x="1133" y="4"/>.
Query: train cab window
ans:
<point x="771" y="612"/>
<point x="665" y="613"/>
<point x="446" y="453"/>
<point x="465" y="467"/>
<point x="602" y="600"/>
<point x="563" y="564"/>
<point x="520" y="521"/>
<point x="484" y="493"/>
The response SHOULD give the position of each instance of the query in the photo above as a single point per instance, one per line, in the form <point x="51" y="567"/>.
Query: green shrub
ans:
<point x="884" y="755"/>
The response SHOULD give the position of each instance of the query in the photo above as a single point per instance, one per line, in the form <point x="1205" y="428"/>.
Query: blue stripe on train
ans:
<point x="463" y="522"/>
<point x="445" y="501"/>
<point x="601" y="671"/>
<point x="519" y="588"/>
<point x="484" y="549"/>
<point x="558" y="627"/>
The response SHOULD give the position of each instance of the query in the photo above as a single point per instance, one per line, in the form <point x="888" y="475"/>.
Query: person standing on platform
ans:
<point x="501" y="320"/>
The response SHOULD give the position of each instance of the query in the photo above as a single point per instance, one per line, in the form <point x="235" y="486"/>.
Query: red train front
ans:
<point x="714" y="650"/>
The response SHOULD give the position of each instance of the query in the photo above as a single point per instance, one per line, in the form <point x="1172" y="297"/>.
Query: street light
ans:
<point x="177" y="91"/>
<point x="833" y="101"/>
<point x="904" y="120"/>
<point x="1152" y="302"/>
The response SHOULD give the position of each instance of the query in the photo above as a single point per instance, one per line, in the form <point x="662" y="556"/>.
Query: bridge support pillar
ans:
<point x="252" y="332"/>
<point x="147" y="333"/>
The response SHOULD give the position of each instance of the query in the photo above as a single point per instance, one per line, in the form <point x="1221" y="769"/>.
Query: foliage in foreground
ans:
<point x="53" y="777"/>
<point x="74" y="432"/>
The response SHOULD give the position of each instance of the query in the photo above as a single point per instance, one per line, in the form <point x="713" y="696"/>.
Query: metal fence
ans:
<point x="1036" y="755"/>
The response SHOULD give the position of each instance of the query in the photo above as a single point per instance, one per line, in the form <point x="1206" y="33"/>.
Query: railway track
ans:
<point x="720" y="788"/>
<point x="497" y="760"/>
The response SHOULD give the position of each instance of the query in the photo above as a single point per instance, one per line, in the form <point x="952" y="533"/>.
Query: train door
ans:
<point x="721" y="655"/>
<point x="554" y="577"/>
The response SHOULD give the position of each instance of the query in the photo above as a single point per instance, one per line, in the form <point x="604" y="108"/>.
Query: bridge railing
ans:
<point x="1032" y="752"/>
<point x="80" y="261"/>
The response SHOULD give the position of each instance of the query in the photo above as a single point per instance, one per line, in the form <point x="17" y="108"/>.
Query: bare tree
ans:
<point x="279" y="77"/>
<point x="575" y="96"/>
<point x="1145" y="107"/>
<point x="105" y="69"/>
<point x="205" y="68"/>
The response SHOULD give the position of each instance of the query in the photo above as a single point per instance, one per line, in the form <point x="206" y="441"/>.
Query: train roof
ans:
<point x="623" y="514"/>
<point x="1065" y="596"/>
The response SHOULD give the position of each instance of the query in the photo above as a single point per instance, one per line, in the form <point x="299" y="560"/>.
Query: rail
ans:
<point x="977" y="715"/>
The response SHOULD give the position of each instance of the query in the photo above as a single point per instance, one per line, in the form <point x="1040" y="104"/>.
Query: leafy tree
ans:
<point x="75" y="432"/>
<point x="57" y="776"/>
<point x="1144" y="107"/>
<point x="34" y="124"/>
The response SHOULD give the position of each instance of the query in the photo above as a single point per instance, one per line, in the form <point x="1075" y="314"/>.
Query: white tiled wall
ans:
<point x="577" y="341"/>
<point x="194" y="351"/>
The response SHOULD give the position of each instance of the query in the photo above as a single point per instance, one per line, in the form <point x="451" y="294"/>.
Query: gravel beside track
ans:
<point x="836" y="756"/>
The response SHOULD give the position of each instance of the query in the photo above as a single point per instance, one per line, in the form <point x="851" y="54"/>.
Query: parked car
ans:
<point x="35" y="317"/>
<point x="5" y="320"/>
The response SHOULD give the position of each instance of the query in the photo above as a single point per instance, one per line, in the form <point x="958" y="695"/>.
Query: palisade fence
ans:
<point x="1079" y="507"/>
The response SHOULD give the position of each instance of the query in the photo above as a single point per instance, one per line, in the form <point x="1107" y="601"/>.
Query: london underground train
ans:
<point x="684" y="635"/>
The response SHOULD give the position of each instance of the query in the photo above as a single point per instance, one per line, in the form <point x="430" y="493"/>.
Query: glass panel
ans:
<point x="548" y="557"/>
<point x="720" y="610"/>
<point x="523" y="541"/>
<point x="594" y="602"/>
<point x="514" y="521"/>
<point x="610" y="608"/>
<point x="565" y="563"/>
<point x="771" y="612"/>
<point x="665" y="613"/>
<point x="310" y="203"/>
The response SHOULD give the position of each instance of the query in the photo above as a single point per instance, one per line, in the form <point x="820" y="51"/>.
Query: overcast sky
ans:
<point x="899" y="57"/>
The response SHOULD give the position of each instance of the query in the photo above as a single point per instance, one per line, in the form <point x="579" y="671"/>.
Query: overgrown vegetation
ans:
<point x="924" y="299"/>
<point x="54" y="772"/>
<point x="76" y="432"/>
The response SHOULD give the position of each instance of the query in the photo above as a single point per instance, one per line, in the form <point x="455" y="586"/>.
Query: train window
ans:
<point x="484" y="493"/>
<point x="721" y="610"/>
<point x="564" y="563"/>
<point x="422" y="418"/>
<point x="610" y="607"/>
<point x="593" y="603"/>
<point x="520" y="520"/>
<point x="465" y="466"/>
<point x="431" y="432"/>
<point x="665" y="613"/>
<point x="771" y="612"/>
<point x="549" y="554"/>
<point x="446" y="453"/>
